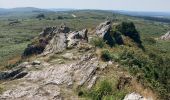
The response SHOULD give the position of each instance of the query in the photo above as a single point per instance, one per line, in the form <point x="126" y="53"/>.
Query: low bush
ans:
<point x="105" y="90"/>
<point x="97" y="42"/>
<point x="129" y="29"/>
<point x="106" y="55"/>
<point x="153" y="69"/>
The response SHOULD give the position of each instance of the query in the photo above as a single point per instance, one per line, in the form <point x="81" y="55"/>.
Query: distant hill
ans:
<point x="22" y="9"/>
<point x="140" y="13"/>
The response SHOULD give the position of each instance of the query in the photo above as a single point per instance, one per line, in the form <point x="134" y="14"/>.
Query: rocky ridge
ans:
<point x="56" y="79"/>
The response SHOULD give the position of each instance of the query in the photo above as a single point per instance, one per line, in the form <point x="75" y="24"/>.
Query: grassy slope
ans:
<point x="13" y="39"/>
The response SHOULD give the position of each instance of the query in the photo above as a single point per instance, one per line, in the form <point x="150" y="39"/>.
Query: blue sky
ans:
<point x="132" y="5"/>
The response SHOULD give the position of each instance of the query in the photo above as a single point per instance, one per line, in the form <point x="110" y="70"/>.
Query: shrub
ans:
<point x="60" y="17"/>
<point x="117" y="37"/>
<point x="106" y="55"/>
<point x="40" y="16"/>
<point x="129" y="29"/>
<point x="104" y="89"/>
<point x="97" y="42"/>
<point x="153" y="69"/>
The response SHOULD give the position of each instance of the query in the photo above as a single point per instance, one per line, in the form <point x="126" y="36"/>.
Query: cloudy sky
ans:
<point x="132" y="5"/>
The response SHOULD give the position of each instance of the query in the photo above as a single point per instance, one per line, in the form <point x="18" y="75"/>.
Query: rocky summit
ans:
<point x="65" y="62"/>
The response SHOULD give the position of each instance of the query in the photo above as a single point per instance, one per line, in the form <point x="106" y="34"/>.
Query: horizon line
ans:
<point x="48" y="8"/>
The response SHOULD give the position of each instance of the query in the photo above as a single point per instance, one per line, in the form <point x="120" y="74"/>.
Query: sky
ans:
<point x="128" y="5"/>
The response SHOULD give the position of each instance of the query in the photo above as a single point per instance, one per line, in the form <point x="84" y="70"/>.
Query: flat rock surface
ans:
<point x="47" y="83"/>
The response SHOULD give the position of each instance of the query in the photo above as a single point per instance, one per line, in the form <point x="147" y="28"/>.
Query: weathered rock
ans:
<point x="44" y="84"/>
<point x="103" y="31"/>
<point x="30" y="91"/>
<point x="85" y="69"/>
<point x="24" y="64"/>
<point x="103" y="66"/>
<point x="135" y="96"/>
<point x="48" y="32"/>
<point x="59" y="41"/>
<point x="92" y="82"/>
<point x="20" y="75"/>
<point x="36" y="62"/>
<point x="56" y="45"/>
<point x="166" y="36"/>
<point x="10" y="74"/>
<point x="63" y="29"/>
<point x="74" y="38"/>
<point x="33" y="49"/>
<point x="50" y="40"/>
<point x="68" y="56"/>
<point x="78" y="72"/>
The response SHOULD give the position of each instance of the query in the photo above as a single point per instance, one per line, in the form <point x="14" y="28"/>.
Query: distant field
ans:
<point x="14" y="38"/>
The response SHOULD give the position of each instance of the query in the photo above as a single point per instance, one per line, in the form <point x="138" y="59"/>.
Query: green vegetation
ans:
<point x="104" y="90"/>
<point x="98" y="42"/>
<point x="106" y="55"/>
<point x="128" y="29"/>
<point x="151" y="67"/>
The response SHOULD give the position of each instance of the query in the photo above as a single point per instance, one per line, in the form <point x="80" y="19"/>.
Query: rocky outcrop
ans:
<point x="46" y="84"/>
<point x="55" y="40"/>
<point x="13" y="74"/>
<point x="75" y="37"/>
<point x="56" y="45"/>
<point x="104" y="32"/>
<point x="62" y="40"/>
<point x="103" y="29"/>
<point x="166" y="36"/>
<point x="135" y="96"/>
<point x="39" y="44"/>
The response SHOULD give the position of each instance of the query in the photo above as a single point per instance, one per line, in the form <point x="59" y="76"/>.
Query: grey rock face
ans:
<point x="31" y="91"/>
<point x="12" y="74"/>
<point x="45" y="84"/>
<point x="68" y="56"/>
<point x="57" y="44"/>
<point x="166" y="36"/>
<point x="135" y="96"/>
<point x="74" y="38"/>
<point x="103" y="29"/>
<point x="47" y="32"/>
<point x="36" y="62"/>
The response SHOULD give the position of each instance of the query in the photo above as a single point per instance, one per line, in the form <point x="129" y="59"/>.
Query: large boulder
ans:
<point x="104" y="32"/>
<point x="49" y="40"/>
<point x="55" y="40"/>
<point x="56" y="45"/>
<point x="166" y="36"/>
<point x="39" y="44"/>
<point x="135" y="96"/>
<point x="103" y="29"/>
<point x="75" y="37"/>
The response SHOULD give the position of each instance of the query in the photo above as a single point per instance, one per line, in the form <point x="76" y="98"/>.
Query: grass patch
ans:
<point x="104" y="90"/>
